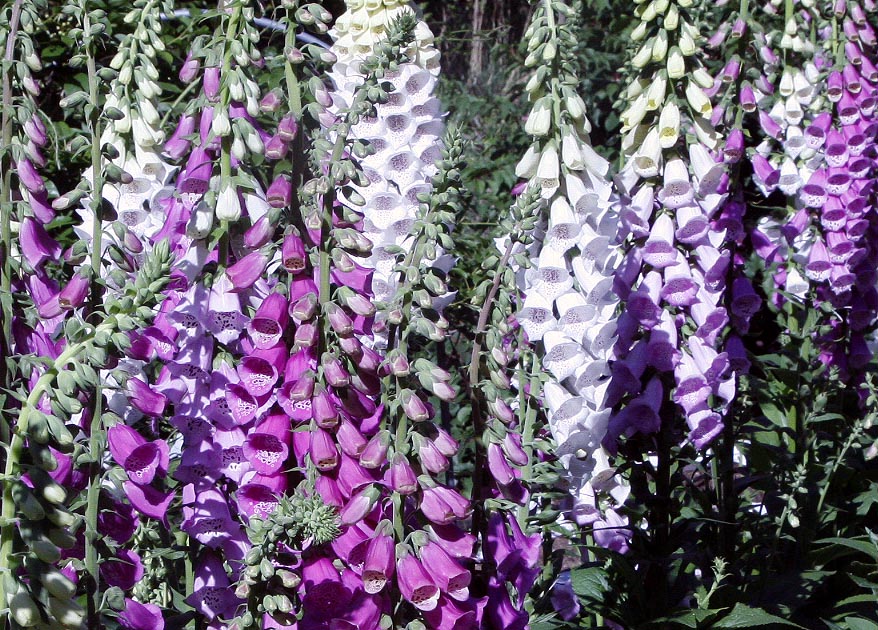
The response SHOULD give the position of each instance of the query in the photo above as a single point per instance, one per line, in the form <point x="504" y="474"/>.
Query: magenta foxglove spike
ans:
<point x="144" y="399"/>
<point x="500" y="469"/>
<point x="189" y="69"/>
<point x="415" y="584"/>
<point x="269" y="322"/>
<point x="211" y="83"/>
<point x="276" y="148"/>
<point x="359" y="505"/>
<point x="323" y="451"/>
<point x="293" y="254"/>
<point x="196" y="175"/>
<point x="179" y="144"/>
<point x="265" y="452"/>
<point x="74" y="294"/>
<point x="124" y="570"/>
<point x="379" y="563"/>
<point x="431" y="459"/>
<point x="350" y="440"/>
<point x="137" y="616"/>
<point x="280" y="192"/>
<point x="36" y="244"/>
<point x="29" y="176"/>
<point x="148" y="501"/>
<point x="500" y="610"/>
<point x="287" y="128"/>
<point x="212" y="594"/>
<point x="257" y="375"/>
<point x="244" y="273"/>
<point x="401" y="476"/>
<point x="449" y="575"/>
<point x="256" y="500"/>
<point x="414" y="408"/>
<point x="374" y="455"/>
<point x="324" y="409"/>
<point x="40" y="206"/>
<point x="259" y="233"/>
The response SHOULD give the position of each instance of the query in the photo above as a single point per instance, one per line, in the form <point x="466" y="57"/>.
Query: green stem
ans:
<point x="6" y="213"/>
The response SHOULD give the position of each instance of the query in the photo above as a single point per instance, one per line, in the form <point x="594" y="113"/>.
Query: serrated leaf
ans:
<point x="742" y="616"/>
<point x="590" y="582"/>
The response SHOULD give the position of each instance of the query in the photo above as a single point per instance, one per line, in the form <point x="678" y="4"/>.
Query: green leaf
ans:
<point x="590" y="582"/>
<point x="742" y="616"/>
<point x="856" y="623"/>
<point x="863" y="546"/>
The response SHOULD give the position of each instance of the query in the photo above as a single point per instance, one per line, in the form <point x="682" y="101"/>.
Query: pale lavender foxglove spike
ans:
<point x="211" y="83"/>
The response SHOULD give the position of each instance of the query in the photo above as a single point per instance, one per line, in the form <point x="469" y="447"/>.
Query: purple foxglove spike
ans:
<point x="359" y="304"/>
<point x="270" y="102"/>
<point x="137" y="616"/>
<point x="304" y="308"/>
<point x="859" y="354"/>
<point x="739" y="362"/>
<point x="612" y="532"/>
<point x="123" y="441"/>
<point x="352" y="348"/>
<point x="328" y="490"/>
<point x="745" y="301"/>
<point x="839" y="246"/>
<point x="814" y="193"/>
<point x="838" y="181"/>
<point x="400" y="476"/>
<point x="693" y="225"/>
<point x="323" y="451"/>
<point x="868" y="70"/>
<point x="770" y="126"/>
<point x="209" y="521"/>
<point x="663" y="354"/>
<point x="287" y="128"/>
<point x="414" y="408"/>
<point x="196" y="175"/>
<point x="448" y="574"/>
<point x="643" y="304"/>
<point x="293" y="254"/>
<point x="714" y="265"/>
<point x="704" y="426"/>
<point x="144" y="399"/>
<point x="256" y="500"/>
<point x="340" y="321"/>
<point x="353" y="544"/>
<point x="836" y="148"/>
<point x="280" y="192"/>
<point x="738" y="29"/>
<point x="242" y="404"/>
<point x="765" y="174"/>
<point x="189" y="69"/>
<point x="436" y="507"/>
<point x="276" y="148"/>
<point x="501" y="611"/>
<point x="212" y="594"/>
<point x="350" y="440"/>
<point x="146" y="461"/>
<point x="731" y="70"/>
<point x="323" y="593"/>
<point x="244" y="273"/>
<point x="334" y="371"/>
<point x="446" y="444"/>
<point x="358" y="278"/>
<point x="734" y="147"/>
<point x="36" y="244"/>
<point x="178" y="144"/>
<point x="712" y="365"/>
<point x="415" y="584"/>
<point x="265" y="452"/>
<point x="834" y="217"/>
<point x="124" y="570"/>
<point x="259" y="233"/>
<point x="841" y="280"/>
<point x="858" y="168"/>
<point x="211" y="83"/>
<point x="205" y="124"/>
<point x="257" y="376"/>
<point x="74" y="293"/>
<point x="692" y="389"/>
<point x="513" y="450"/>
<point x="852" y="80"/>
<point x="379" y="563"/>
<point x="747" y="98"/>
<point x="269" y="321"/>
<point x="853" y="53"/>
<point x="659" y="250"/>
<point x="679" y="288"/>
<point x="848" y="110"/>
<point x="29" y="177"/>
<point x="352" y="476"/>
<point x="431" y="459"/>
<point x="40" y="206"/>
<point x="716" y="40"/>
<point x="374" y="455"/>
<point x="359" y="506"/>
<point x="36" y="131"/>
<point x="501" y="547"/>
<point x="148" y="501"/>
<point x="499" y="468"/>
<point x="324" y="409"/>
